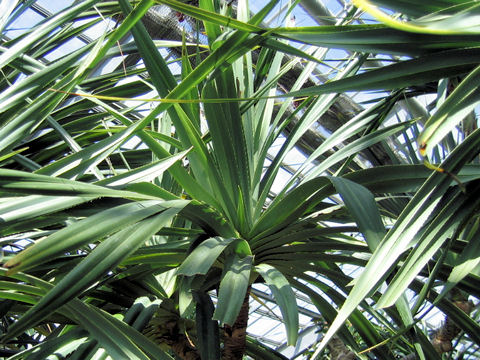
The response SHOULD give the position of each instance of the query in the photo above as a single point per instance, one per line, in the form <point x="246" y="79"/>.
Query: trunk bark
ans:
<point x="168" y="336"/>
<point x="164" y="329"/>
<point x="339" y="351"/>
<point x="184" y="350"/>
<point x="443" y="337"/>
<point x="235" y="336"/>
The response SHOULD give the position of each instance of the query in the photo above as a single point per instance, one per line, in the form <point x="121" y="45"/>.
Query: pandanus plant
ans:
<point x="140" y="205"/>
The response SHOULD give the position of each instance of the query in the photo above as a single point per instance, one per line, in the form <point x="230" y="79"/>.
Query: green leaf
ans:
<point x="257" y="350"/>
<point x="209" y="16"/>
<point x="207" y="328"/>
<point x="286" y="210"/>
<point x="233" y="288"/>
<point x="120" y="340"/>
<point x="83" y="232"/>
<point x="362" y="206"/>
<point x="102" y="259"/>
<point x="228" y="139"/>
<point x="375" y="38"/>
<point x="461" y="102"/>
<point x="76" y="164"/>
<point x="458" y="22"/>
<point x="399" y="238"/>
<point x="211" y="29"/>
<point x="416" y="71"/>
<point x="21" y="47"/>
<point x="467" y="261"/>
<point x="22" y="182"/>
<point x="203" y="256"/>
<point x="284" y="297"/>
<point x="33" y="207"/>
<point x="145" y="173"/>
<point x="446" y="223"/>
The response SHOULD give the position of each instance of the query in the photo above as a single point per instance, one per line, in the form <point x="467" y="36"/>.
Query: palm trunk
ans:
<point x="443" y="337"/>
<point x="442" y="340"/>
<point x="184" y="350"/>
<point x="338" y="350"/>
<point x="167" y="334"/>
<point x="164" y="329"/>
<point x="235" y="335"/>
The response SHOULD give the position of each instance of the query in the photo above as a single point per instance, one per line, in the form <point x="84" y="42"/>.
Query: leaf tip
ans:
<point x="12" y="267"/>
<point x="423" y="149"/>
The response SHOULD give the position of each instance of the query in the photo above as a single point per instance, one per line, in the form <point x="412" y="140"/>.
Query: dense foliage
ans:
<point x="140" y="199"/>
